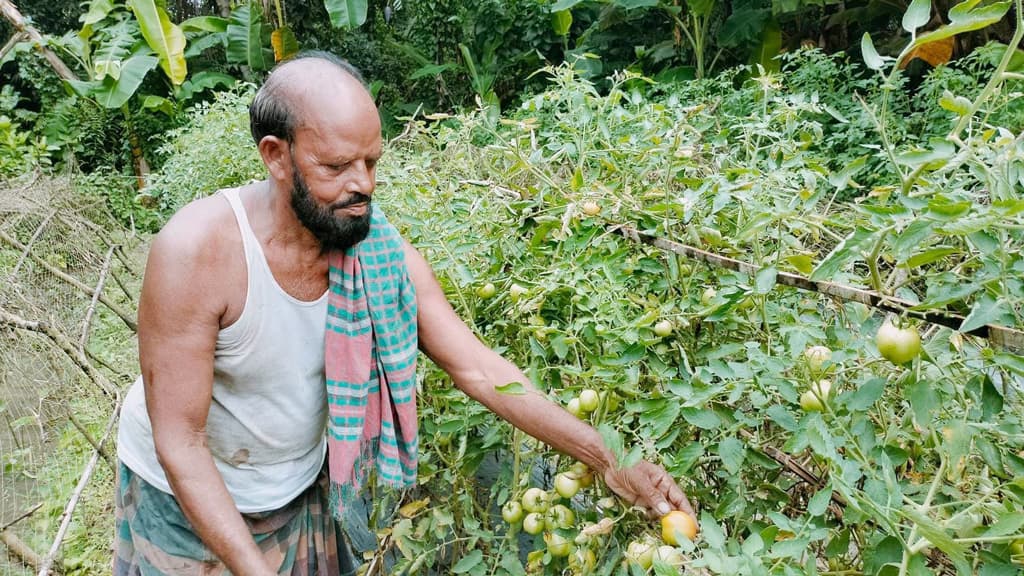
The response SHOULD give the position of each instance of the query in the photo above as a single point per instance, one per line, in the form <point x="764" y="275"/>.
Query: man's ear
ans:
<point x="277" y="158"/>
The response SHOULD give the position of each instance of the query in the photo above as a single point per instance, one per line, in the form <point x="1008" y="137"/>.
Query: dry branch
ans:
<point x="18" y="37"/>
<point x="11" y="13"/>
<point x="20" y="550"/>
<point x="31" y="242"/>
<point x="1001" y="336"/>
<point x="22" y="516"/>
<point x="64" y="344"/>
<point x="87" y="324"/>
<point x="92" y="442"/>
<point x="45" y="566"/>
<point x="798" y="469"/>
<point x="124" y="316"/>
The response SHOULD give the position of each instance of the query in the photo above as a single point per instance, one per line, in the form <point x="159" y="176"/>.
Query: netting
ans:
<point x="69" y="274"/>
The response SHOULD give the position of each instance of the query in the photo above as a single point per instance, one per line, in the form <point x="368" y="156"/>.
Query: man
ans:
<point x="222" y="438"/>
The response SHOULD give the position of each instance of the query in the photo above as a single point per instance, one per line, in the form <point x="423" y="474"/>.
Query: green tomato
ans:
<point x="663" y="328"/>
<point x="533" y="523"/>
<point x="558" y="545"/>
<point x="582" y="474"/>
<point x="669" y="555"/>
<point x="486" y="291"/>
<point x="566" y="485"/>
<point x="516" y="292"/>
<point x="574" y="407"/>
<point x="640" y="554"/>
<point x="589" y="400"/>
<point x="708" y="296"/>
<point x="512" y="511"/>
<point x="898" y="345"/>
<point x="583" y="561"/>
<point x="816" y="357"/>
<point x="1017" y="551"/>
<point x="535" y="500"/>
<point x="810" y="403"/>
<point x="559" y="516"/>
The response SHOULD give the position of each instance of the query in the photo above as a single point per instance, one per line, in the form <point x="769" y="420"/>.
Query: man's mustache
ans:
<point x="355" y="198"/>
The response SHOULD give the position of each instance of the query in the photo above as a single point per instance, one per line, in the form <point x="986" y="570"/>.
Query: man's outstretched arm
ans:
<point x="477" y="370"/>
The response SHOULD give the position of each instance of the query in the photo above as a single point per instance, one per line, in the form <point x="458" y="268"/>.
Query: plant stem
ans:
<point x="997" y="77"/>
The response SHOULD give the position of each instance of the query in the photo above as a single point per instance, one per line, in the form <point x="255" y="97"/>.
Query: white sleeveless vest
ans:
<point x="269" y="411"/>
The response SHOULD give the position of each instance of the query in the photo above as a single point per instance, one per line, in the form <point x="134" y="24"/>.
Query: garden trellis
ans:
<point x="69" y="275"/>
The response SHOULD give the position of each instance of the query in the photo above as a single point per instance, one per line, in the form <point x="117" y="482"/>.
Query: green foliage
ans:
<point x="926" y="457"/>
<point x="199" y="163"/>
<point x="20" y="150"/>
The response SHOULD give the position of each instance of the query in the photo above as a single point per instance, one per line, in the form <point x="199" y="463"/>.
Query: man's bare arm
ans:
<point x="477" y="370"/>
<point x="179" y="317"/>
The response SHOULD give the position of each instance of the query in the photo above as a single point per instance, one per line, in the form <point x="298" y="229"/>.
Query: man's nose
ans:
<point x="364" y="179"/>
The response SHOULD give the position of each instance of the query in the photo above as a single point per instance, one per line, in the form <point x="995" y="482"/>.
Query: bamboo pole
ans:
<point x="1007" y="338"/>
<point x="47" y="562"/>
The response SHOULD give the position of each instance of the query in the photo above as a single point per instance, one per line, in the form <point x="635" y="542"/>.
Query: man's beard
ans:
<point x="333" y="232"/>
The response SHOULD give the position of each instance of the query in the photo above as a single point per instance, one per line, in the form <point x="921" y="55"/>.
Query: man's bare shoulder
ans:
<point x="202" y="232"/>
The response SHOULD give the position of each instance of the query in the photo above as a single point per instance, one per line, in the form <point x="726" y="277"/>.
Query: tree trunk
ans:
<point x="11" y="13"/>
<point x="224" y="6"/>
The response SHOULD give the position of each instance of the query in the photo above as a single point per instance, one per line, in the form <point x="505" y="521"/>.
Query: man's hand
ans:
<point x="650" y="486"/>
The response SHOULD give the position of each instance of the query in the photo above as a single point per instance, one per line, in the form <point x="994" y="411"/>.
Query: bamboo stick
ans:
<point x="47" y="562"/>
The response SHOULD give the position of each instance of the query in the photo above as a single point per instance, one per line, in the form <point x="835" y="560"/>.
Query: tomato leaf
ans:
<point x="1008" y="524"/>
<point x="866" y="395"/>
<point x="701" y="418"/>
<point x="847" y="250"/>
<point x="923" y="400"/>
<point x="733" y="453"/>
<point x="818" y="503"/>
<point x="991" y="400"/>
<point x="782" y="417"/>
<point x="714" y="536"/>
<point x="765" y="279"/>
<point x="985" y="311"/>
<point x="468" y="562"/>
<point x="929" y="256"/>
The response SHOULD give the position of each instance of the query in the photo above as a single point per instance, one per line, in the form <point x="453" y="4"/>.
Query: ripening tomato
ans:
<point x="675" y="523"/>
<point x="816" y="357"/>
<point x="589" y="400"/>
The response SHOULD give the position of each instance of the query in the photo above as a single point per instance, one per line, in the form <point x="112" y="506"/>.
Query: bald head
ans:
<point x="305" y="83"/>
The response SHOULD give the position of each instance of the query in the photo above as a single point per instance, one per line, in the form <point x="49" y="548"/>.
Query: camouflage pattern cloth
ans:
<point x="153" y="537"/>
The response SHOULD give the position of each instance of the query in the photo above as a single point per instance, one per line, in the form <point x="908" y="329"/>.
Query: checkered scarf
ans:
<point x="370" y="366"/>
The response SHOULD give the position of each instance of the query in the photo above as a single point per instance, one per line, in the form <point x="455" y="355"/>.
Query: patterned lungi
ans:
<point x="153" y="537"/>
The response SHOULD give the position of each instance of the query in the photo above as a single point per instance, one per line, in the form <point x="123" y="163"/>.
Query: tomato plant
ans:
<point x="895" y="468"/>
